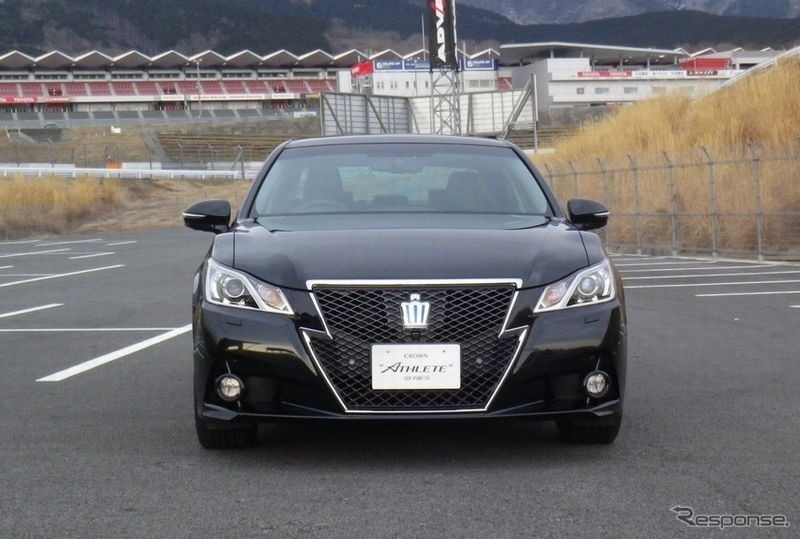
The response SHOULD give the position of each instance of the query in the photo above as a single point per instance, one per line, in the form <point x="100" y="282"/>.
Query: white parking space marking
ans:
<point x="623" y="255"/>
<point x="794" y="307"/>
<point x="705" y="275"/>
<point x="36" y="253"/>
<point x="54" y="243"/>
<point x="31" y="310"/>
<point x="706" y="268"/>
<point x="778" y="293"/>
<point x="690" y="285"/>
<point x="120" y="243"/>
<point x="82" y="330"/>
<point x="25" y="274"/>
<point x="682" y="263"/>
<point x="60" y="275"/>
<point x="113" y="356"/>
<point x="6" y="267"/>
<point x="20" y="242"/>
<point x="92" y="255"/>
<point x="621" y="259"/>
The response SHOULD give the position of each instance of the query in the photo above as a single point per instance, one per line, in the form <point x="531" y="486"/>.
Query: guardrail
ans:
<point x="122" y="173"/>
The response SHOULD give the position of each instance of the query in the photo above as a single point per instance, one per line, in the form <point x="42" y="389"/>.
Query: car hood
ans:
<point x="536" y="255"/>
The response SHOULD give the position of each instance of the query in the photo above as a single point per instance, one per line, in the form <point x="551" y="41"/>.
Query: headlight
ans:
<point x="225" y="286"/>
<point x="587" y="287"/>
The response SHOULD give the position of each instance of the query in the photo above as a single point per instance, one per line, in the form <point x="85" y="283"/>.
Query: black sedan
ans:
<point x="405" y="278"/>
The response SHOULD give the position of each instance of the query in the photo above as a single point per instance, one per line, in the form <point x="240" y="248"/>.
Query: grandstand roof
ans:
<point x="525" y="53"/>
<point x="169" y="59"/>
<point x="93" y="60"/>
<point x="512" y="54"/>
<point x="132" y="60"/>
<point x="281" y="58"/>
<point x="15" y="60"/>
<point x="315" y="58"/>
<point x="208" y="59"/>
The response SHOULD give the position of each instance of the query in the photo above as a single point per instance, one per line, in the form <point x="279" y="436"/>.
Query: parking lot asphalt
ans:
<point x="97" y="438"/>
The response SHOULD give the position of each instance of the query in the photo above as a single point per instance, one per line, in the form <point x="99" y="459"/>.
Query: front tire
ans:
<point x="238" y="437"/>
<point x="585" y="432"/>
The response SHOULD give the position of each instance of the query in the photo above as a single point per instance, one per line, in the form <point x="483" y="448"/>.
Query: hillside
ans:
<point x="151" y="26"/>
<point x="566" y="11"/>
<point x="763" y="109"/>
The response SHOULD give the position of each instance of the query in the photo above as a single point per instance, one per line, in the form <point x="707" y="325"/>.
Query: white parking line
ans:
<point x="794" y="306"/>
<point x="25" y="274"/>
<point x="619" y="258"/>
<point x="59" y="275"/>
<point x="704" y="275"/>
<point x="113" y="356"/>
<point x="35" y="253"/>
<point x="92" y="255"/>
<point x="31" y="310"/>
<point x="6" y="267"/>
<point x="120" y="243"/>
<point x="623" y="255"/>
<point x="54" y="243"/>
<point x="778" y="293"/>
<point x="21" y="242"/>
<point x="709" y="267"/>
<point x="691" y="285"/>
<point x="684" y="263"/>
<point x="81" y="330"/>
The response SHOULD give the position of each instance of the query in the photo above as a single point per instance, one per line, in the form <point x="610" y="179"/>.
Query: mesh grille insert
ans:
<point x="360" y="317"/>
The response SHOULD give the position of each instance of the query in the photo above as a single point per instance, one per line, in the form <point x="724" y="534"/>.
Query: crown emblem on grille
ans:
<point x="415" y="313"/>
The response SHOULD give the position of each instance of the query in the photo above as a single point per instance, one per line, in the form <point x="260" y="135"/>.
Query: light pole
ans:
<point x="199" y="90"/>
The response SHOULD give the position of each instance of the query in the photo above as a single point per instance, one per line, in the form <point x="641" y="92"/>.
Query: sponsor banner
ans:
<point x="226" y="97"/>
<point x="55" y="100"/>
<point x="416" y="65"/>
<point x="442" y="34"/>
<point x="362" y="69"/>
<point x="486" y="64"/>
<point x="605" y="74"/>
<point x="19" y="100"/>
<point x="388" y="65"/>
<point x="702" y="73"/>
<point x="706" y="64"/>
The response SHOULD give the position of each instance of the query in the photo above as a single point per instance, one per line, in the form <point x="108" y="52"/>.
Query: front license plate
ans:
<point x="416" y="366"/>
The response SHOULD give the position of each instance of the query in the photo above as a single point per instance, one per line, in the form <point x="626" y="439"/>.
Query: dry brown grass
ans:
<point x="763" y="110"/>
<point x="52" y="206"/>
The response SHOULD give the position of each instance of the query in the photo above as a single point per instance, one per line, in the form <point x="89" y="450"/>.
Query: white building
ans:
<point x="393" y="74"/>
<point x="583" y="75"/>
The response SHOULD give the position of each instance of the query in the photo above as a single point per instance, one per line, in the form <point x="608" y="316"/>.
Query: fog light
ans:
<point x="596" y="384"/>
<point x="229" y="387"/>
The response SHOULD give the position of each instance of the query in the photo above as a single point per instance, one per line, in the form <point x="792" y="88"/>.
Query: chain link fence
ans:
<point x="739" y="201"/>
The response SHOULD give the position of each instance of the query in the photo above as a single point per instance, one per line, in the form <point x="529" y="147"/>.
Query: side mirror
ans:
<point x="209" y="216"/>
<point x="587" y="214"/>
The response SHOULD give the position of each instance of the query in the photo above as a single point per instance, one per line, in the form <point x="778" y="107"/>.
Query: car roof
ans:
<point x="397" y="139"/>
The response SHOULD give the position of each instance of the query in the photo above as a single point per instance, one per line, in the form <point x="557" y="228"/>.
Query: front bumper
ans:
<point x="282" y="381"/>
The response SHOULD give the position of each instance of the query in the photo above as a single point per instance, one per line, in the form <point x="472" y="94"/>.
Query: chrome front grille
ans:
<point x="358" y="317"/>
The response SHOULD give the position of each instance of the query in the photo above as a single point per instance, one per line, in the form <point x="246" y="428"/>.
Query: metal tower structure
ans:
<point x="445" y="102"/>
<point x="444" y="69"/>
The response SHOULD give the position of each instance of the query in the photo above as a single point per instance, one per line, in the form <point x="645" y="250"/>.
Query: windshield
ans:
<point x="400" y="178"/>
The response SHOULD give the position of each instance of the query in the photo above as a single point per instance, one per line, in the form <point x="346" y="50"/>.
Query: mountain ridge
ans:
<point x="228" y="26"/>
<point x="568" y="11"/>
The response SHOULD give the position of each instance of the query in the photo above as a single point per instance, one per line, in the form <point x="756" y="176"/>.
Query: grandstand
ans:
<point x="134" y="88"/>
<point x="57" y="90"/>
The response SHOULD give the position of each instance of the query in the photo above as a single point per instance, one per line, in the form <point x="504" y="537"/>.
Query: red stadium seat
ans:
<point x="99" y="88"/>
